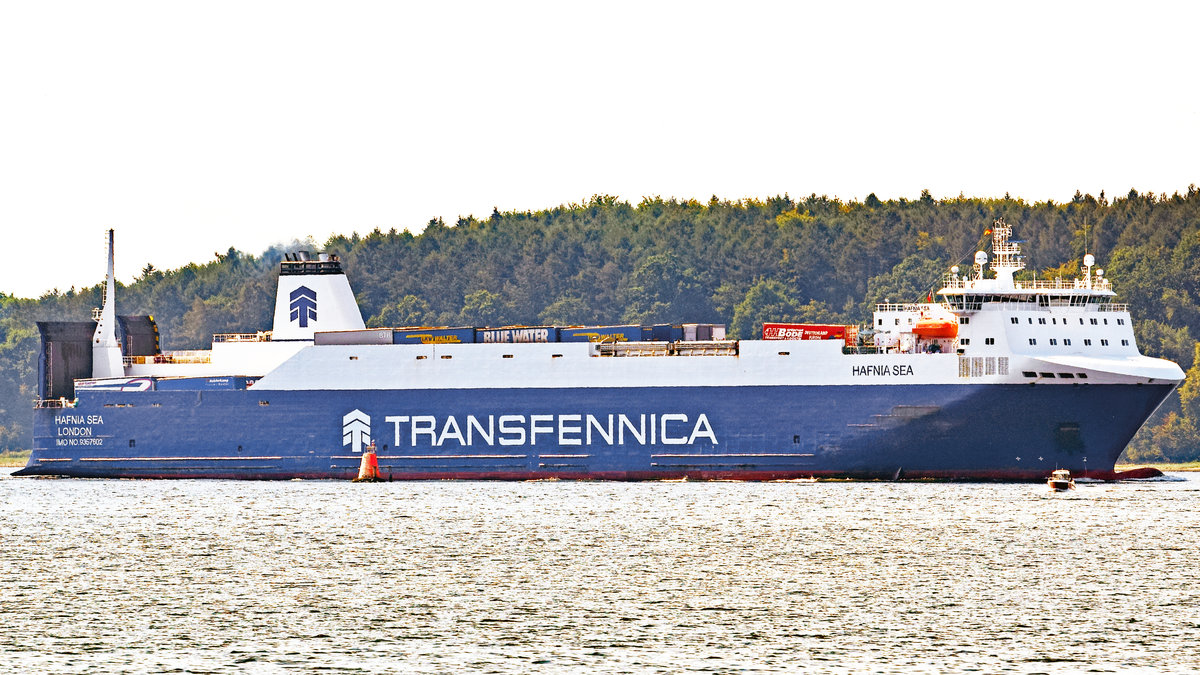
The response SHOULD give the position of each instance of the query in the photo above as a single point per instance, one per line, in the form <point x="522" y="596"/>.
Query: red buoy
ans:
<point x="368" y="468"/>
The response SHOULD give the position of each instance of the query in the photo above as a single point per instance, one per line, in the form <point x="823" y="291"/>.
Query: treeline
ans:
<point x="816" y="259"/>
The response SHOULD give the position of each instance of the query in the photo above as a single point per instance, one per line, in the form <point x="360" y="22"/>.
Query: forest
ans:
<point x="814" y="259"/>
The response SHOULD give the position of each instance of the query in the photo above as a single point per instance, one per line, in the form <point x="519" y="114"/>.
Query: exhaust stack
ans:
<point x="314" y="295"/>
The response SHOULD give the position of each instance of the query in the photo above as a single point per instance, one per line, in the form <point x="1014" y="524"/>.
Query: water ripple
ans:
<point x="224" y="577"/>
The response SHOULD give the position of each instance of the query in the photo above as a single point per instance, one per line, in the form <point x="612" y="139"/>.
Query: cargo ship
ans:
<point x="997" y="379"/>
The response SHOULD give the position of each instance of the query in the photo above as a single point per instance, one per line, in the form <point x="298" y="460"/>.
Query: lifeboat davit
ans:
<point x="927" y="327"/>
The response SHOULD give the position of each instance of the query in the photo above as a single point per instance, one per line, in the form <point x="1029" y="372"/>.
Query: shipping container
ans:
<point x="803" y="331"/>
<point x="703" y="331"/>
<point x="601" y="334"/>
<point x="433" y="336"/>
<point x="663" y="332"/>
<point x="203" y="383"/>
<point x="367" y="336"/>
<point x="517" y="334"/>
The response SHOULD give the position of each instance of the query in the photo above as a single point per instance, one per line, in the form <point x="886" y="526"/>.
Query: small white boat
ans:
<point x="1060" y="479"/>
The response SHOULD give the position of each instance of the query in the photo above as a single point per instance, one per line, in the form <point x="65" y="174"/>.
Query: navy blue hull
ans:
<point x="1011" y="432"/>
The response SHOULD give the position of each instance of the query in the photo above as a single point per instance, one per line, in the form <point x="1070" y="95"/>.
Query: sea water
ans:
<point x="105" y="576"/>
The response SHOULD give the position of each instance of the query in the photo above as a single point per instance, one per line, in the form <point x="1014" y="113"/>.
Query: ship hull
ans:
<point x="940" y="431"/>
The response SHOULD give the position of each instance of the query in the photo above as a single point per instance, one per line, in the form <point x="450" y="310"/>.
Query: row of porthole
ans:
<point x="1065" y="376"/>
<point x="1067" y="342"/>
<point x="1054" y="321"/>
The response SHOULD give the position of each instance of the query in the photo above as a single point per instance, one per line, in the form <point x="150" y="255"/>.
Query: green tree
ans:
<point x="409" y="311"/>
<point x="482" y="308"/>
<point x="662" y="290"/>
<point x="773" y="301"/>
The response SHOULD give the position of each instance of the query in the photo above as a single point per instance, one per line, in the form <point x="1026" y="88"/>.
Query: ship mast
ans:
<point x="1006" y="255"/>
<point x="106" y="351"/>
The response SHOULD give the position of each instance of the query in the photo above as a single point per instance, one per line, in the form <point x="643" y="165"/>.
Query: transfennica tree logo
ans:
<point x="356" y="430"/>
<point x="304" y="305"/>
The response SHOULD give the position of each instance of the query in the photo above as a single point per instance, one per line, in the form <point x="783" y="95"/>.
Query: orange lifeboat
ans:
<point x="927" y="327"/>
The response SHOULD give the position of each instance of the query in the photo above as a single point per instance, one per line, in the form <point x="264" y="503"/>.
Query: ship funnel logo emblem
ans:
<point x="356" y="430"/>
<point x="303" y="305"/>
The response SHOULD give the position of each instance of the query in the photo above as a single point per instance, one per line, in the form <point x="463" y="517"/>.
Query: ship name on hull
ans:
<point x="895" y="370"/>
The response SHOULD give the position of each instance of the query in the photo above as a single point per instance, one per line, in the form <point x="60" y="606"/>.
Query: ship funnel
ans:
<point x="106" y="351"/>
<point x="314" y="295"/>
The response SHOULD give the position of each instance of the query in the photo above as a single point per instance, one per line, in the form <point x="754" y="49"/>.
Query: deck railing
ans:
<point x="261" y="336"/>
<point x="191" y="356"/>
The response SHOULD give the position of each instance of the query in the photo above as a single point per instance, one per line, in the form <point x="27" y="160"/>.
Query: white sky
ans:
<point x="193" y="127"/>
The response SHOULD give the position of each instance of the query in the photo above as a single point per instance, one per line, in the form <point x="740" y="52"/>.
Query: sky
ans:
<point x="191" y="128"/>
